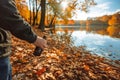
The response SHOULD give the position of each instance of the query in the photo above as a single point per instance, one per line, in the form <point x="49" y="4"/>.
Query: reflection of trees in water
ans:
<point x="96" y="29"/>
<point x="114" y="31"/>
<point x="88" y="28"/>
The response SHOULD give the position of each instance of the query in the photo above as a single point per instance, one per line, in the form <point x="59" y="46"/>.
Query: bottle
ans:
<point x="38" y="51"/>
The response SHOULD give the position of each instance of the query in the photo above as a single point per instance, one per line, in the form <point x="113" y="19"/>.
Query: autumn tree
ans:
<point x="42" y="20"/>
<point x="56" y="9"/>
<point x="105" y="18"/>
<point x="30" y="13"/>
<point x="64" y="13"/>
<point x="23" y="9"/>
<point x="115" y="19"/>
<point x="34" y="7"/>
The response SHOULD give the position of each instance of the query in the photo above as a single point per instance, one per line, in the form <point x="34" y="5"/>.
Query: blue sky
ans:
<point x="103" y="7"/>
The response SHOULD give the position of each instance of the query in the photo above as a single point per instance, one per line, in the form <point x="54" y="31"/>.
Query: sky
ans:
<point x="103" y="7"/>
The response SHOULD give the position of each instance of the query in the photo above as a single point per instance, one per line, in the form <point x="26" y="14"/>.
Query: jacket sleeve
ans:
<point x="11" y="20"/>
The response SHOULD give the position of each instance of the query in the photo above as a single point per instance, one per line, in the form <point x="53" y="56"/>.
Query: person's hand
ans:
<point x="40" y="42"/>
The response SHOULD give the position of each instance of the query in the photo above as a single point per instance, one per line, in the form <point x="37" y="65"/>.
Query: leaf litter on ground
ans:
<point x="59" y="62"/>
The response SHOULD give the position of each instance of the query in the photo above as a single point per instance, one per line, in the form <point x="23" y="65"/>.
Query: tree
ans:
<point x="105" y="18"/>
<point x="42" y="20"/>
<point x="115" y="19"/>
<point x="35" y="10"/>
<point x="30" y="8"/>
<point x="65" y="13"/>
<point x="23" y="9"/>
<point x="55" y="9"/>
<point x="34" y="7"/>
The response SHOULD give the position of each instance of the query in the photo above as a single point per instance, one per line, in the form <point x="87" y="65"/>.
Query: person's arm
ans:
<point x="11" y="20"/>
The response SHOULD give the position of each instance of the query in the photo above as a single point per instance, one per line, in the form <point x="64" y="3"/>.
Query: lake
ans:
<point x="100" y="40"/>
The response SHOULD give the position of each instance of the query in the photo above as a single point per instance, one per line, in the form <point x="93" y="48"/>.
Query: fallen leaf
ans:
<point x="41" y="71"/>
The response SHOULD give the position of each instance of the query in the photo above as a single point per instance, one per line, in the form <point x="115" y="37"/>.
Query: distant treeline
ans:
<point x="112" y="20"/>
<point x="105" y="20"/>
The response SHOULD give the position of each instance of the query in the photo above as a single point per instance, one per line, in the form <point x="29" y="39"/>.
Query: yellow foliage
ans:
<point x="115" y="20"/>
<point x="112" y="30"/>
<point x="105" y="18"/>
<point x="71" y="22"/>
<point x="23" y="9"/>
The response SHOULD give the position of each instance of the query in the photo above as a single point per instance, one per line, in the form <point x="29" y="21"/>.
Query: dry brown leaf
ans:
<point x="86" y="67"/>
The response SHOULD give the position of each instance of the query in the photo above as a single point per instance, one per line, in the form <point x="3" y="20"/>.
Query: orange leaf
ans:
<point x="86" y="67"/>
<point x="41" y="71"/>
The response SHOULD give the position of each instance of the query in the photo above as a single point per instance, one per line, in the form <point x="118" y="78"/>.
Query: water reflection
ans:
<point x="102" y="45"/>
<point x="113" y="31"/>
<point x="99" y="39"/>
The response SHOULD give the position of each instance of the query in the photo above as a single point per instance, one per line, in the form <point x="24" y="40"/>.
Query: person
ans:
<point x="11" y="21"/>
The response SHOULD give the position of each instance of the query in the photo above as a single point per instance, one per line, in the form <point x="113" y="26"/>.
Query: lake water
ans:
<point x="100" y="40"/>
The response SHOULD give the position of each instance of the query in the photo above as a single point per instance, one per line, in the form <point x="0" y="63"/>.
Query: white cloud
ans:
<point x="113" y="12"/>
<point x="101" y="12"/>
<point x="104" y="6"/>
<point x="118" y="10"/>
<point x="96" y="11"/>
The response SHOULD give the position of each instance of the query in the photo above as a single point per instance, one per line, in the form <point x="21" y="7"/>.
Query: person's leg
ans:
<point x="10" y="73"/>
<point x="5" y="69"/>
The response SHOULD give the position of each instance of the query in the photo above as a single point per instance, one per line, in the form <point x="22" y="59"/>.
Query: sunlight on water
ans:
<point x="102" y="45"/>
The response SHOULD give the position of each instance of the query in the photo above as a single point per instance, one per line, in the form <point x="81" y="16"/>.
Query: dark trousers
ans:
<point x="5" y="69"/>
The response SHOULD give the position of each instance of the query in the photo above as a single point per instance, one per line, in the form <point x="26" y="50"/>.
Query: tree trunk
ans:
<point x="36" y="16"/>
<point x="30" y="12"/>
<point x="42" y="20"/>
<point x="33" y="13"/>
<point x="52" y="25"/>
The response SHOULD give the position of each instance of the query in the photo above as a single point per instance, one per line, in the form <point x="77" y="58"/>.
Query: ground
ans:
<point x="60" y="62"/>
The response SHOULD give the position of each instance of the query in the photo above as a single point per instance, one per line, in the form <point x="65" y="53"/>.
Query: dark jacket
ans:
<point x="11" y="20"/>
